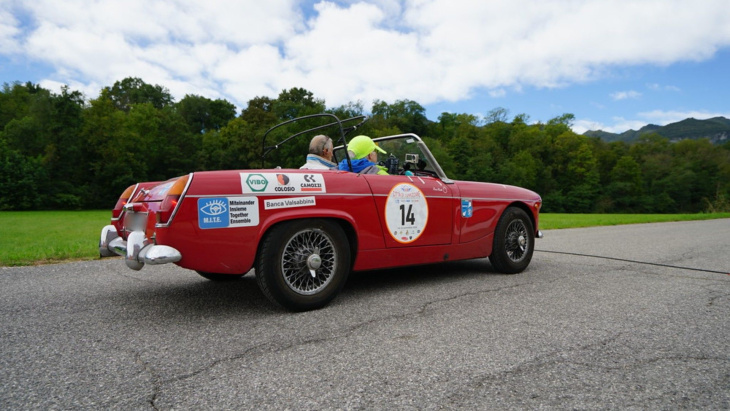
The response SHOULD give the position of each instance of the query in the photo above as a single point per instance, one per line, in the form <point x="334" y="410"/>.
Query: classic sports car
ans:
<point x="303" y="231"/>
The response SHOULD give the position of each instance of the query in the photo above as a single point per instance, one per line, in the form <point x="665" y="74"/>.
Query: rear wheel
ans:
<point x="514" y="242"/>
<point x="220" y="277"/>
<point x="303" y="264"/>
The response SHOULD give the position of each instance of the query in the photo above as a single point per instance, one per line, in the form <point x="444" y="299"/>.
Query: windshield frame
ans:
<point x="433" y="163"/>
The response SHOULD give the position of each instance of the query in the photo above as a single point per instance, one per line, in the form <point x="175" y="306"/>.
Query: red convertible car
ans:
<point x="304" y="231"/>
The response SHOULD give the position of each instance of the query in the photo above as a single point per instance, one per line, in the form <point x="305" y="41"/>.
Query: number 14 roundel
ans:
<point x="406" y="213"/>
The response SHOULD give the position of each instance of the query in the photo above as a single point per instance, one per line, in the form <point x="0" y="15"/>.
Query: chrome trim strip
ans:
<point x="279" y="195"/>
<point x="343" y="195"/>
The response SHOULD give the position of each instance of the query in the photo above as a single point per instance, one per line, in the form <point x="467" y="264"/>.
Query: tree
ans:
<point x="497" y="115"/>
<point x="133" y="90"/>
<point x="521" y="170"/>
<point x="296" y="102"/>
<point x="348" y="110"/>
<point x="116" y="155"/>
<point x="20" y="180"/>
<point x="202" y="114"/>
<point x="234" y="146"/>
<point x="405" y="115"/>
<point x="625" y="189"/>
<point x="576" y="173"/>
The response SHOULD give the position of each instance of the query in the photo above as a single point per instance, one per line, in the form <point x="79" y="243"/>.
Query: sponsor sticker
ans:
<point x="275" y="203"/>
<point x="467" y="210"/>
<point x="228" y="212"/>
<point x="406" y="213"/>
<point x="282" y="183"/>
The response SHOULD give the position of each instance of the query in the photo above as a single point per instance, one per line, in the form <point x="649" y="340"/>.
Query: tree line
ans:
<point x="60" y="151"/>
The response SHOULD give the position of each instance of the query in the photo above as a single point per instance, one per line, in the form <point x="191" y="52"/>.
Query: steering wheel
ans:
<point x="391" y="164"/>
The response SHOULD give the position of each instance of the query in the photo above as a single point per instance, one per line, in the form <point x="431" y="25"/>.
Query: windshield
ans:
<point x="406" y="154"/>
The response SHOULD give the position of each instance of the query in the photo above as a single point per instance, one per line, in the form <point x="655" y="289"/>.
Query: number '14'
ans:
<point x="407" y="216"/>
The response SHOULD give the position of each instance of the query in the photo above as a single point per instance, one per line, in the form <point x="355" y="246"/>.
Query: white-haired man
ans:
<point x="320" y="154"/>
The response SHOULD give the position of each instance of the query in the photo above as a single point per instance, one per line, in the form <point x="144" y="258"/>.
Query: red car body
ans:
<point x="224" y="223"/>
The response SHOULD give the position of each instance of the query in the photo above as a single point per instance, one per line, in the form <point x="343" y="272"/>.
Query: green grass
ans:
<point x="38" y="237"/>
<point x="549" y="221"/>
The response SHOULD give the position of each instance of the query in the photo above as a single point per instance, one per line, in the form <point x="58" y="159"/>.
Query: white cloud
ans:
<point x="659" y="87"/>
<point x="618" y="126"/>
<point x="426" y="50"/>
<point x="498" y="93"/>
<point x="8" y="30"/>
<point x="624" y="95"/>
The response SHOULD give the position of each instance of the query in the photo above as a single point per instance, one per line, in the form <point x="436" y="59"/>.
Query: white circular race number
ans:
<point x="406" y="213"/>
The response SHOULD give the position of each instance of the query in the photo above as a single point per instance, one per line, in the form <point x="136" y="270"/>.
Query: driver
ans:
<point x="364" y="156"/>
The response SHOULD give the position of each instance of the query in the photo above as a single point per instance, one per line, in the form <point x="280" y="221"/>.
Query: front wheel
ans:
<point x="303" y="264"/>
<point x="514" y="242"/>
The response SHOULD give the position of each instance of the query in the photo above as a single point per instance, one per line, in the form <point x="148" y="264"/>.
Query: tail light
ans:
<point x="172" y="198"/>
<point x="123" y="200"/>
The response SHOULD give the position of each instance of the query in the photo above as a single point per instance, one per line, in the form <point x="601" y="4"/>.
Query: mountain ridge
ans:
<point x="716" y="129"/>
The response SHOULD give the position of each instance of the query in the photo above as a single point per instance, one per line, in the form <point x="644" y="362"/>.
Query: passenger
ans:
<point x="320" y="154"/>
<point x="363" y="154"/>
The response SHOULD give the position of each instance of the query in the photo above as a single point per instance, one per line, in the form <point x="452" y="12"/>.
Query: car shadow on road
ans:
<point x="415" y="276"/>
<point x="191" y="295"/>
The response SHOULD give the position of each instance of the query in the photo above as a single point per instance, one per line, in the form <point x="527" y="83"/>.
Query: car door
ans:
<point x="414" y="211"/>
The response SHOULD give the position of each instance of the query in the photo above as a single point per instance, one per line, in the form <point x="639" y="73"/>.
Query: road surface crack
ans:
<point x="636" y="262"/>
<point x="274" y="347"/>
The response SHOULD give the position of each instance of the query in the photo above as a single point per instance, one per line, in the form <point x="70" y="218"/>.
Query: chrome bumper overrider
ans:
<point x="137" y="250"/>
<point x="108" y="234"/>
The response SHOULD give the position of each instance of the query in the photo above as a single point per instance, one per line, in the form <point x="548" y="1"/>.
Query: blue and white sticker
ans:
<point x="228" y="212"/>
<point x="467" y="210"/>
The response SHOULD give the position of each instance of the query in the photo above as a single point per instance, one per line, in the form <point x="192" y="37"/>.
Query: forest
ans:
<point x="60" y="151"/>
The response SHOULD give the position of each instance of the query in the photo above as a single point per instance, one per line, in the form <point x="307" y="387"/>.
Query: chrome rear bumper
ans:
<point x="137" y="250"/>
<point x="108" y="234"/>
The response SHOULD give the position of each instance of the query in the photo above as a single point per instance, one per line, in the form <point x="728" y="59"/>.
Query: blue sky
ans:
<point x="615" y="65"/>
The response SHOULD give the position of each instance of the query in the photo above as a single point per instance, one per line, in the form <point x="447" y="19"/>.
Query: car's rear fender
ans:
<point x="344" y="222"/>
<point x="363" y="229"/>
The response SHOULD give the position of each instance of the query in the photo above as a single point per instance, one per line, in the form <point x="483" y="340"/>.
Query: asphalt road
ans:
<point x="616" y="317"/>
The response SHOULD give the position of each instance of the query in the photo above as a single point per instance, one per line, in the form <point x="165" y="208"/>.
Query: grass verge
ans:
<point x="551" y="221"/>
<point x="40" y="237"/>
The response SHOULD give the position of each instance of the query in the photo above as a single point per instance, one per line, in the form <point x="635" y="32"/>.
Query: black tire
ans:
<point x="221" y="278"/>
<point x="303" y="264"/>
<point x="514" y="242"/>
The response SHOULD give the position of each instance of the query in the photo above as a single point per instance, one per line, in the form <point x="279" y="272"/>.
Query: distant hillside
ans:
<point x="716" y="129"/>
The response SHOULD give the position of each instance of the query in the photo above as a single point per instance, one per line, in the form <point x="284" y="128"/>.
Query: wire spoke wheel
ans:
<point x="303" y="264"/>
<point x="516" y="240"/>
<point x="308" y="261"/>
